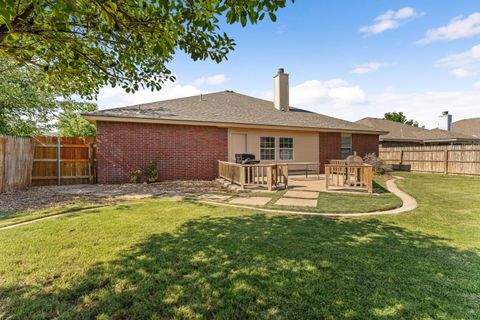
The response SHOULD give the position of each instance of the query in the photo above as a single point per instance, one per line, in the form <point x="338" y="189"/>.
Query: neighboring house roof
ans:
<point x="226" y="107"/>
<point x="467" y="126"/>
<point x="403" y="132"/>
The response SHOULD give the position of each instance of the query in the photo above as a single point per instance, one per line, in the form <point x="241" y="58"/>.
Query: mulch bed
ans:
<point x="36" y="198"/>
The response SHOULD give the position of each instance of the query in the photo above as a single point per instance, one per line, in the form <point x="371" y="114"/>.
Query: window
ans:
<point x="346" y="148"/>
<point x="286" y="148"/>
<point x="267" y="148"/>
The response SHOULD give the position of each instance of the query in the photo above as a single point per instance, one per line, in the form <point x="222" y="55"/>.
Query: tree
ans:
<point x="81" y="46"/>
<point x="27" y="110"/>
<point x="400" y="117"/>
<point x="71" y="124"/>
<point x="24" y="108"/>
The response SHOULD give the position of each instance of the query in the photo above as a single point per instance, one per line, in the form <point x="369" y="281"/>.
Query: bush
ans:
<point x="136" y="175"/>
<point x="379" y="166"/>
<point x="148" y="174"/>
<point x="151" y="172"/>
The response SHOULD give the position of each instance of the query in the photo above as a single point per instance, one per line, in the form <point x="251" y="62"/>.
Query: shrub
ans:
<point x="136" y="175"/>
<point x="379" y="166"/>
<point x="151" y="172"/>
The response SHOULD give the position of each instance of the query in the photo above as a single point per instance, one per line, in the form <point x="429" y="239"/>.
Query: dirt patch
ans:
<point x="36" y="198"/>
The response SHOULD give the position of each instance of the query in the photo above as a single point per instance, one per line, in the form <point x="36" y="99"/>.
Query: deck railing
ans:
<point x="268" y="175"/>
<point x="349" y="176"/>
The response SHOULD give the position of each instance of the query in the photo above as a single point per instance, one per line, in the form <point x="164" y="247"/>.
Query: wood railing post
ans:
<point x="242" y="176"/>
<point x="369" y="178"/>
<point x="327" y="176"/>
<point x="269" y="178"/>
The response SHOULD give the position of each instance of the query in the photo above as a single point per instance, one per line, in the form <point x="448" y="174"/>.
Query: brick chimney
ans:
<point x="280" y="91"/>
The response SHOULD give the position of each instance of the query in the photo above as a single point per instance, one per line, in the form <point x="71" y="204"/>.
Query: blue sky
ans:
<point x="348" y="59"/>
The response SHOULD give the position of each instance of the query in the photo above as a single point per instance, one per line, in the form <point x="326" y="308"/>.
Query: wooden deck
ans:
<point x="259" y="175"/>
<point x="340" y="174"/>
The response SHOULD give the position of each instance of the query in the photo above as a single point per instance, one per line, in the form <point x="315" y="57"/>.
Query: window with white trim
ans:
<point x="267" y="148"/>
<point x="285" y="148"/>
<point x="346" y="147"/>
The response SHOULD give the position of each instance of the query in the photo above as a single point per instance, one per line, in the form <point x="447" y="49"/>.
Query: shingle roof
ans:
<point x="403" y="132"/>
<point x="467" y="126"/>
<point x="230" y="107"/>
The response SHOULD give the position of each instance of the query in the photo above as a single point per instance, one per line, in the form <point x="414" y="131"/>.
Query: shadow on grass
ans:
<point x="268" y="267"/>
<point x="378" y="188"/>
<point x="11" y="219"/>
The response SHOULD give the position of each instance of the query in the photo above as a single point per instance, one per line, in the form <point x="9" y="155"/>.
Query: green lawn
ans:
<point x="162" y="259"/>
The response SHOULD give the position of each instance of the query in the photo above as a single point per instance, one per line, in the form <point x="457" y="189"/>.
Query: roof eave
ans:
<point x="94" y="118"/>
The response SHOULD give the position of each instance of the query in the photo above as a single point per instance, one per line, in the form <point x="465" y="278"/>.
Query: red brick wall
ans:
<point x="365" y="143"/>
<point x="330" y="143"/>
<point x="181" y="152"/>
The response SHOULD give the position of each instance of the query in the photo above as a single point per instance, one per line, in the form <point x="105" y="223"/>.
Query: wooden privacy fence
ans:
<point x="455" y="160"/>
<point x="16" y="160"/>
<point x="63" y="160"/>
<point x="268" y="175"/>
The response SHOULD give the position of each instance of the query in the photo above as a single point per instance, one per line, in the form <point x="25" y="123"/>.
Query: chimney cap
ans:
<point x="281" y="70"/>
<point x="444" y="113"/>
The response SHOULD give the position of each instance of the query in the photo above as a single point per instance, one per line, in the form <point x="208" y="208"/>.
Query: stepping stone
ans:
<point x="253" y="201"/>
<point x="301" y="194"/>
<point x="296" y="202"/>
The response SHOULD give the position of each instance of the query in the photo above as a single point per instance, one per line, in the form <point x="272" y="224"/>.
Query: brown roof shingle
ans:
<point x="403" y="132"/>
<point x="230" y="107"/>
<point x="467" y="126"/>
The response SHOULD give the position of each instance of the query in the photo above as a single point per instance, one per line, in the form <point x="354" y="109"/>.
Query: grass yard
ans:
<point x="163" y="259"/>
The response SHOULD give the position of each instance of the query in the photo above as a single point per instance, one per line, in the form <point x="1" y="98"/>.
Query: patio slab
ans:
<point x="253" y="201"/>
<point x="301" y="194"/>
<point x="296" y="202"/>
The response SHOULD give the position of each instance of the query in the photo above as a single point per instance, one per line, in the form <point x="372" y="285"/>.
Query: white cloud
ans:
<point x="313" y="93"/>
<point x="338" y="99"/>
<point x="459" y="27"/>
<point x="463" y="64"/>
<point x="476" y="85"/>
<point x="460" y="73"/>
<point x="211" y="80"/>
<point x="424" y="107"/>
<point x="281" y="29"/>
<point x="366" y="68"/>
<point x="390" y="20"/>
<point x="466" y="58"/>
<point x="427" y="106"/>
<point x="117" y="97"/>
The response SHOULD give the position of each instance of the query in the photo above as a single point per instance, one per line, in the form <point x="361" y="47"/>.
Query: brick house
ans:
<point x="187" y="136"/>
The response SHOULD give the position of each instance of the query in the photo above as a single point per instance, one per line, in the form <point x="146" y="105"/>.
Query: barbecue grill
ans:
<point x="245" y="158"/>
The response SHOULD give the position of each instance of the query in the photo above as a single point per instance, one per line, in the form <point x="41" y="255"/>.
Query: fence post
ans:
<point x="59" y="165"/>
<point x="446" y="160"/>
<point x="401" y="160"/>
<point x="3" y="150"/>
<point x="90" y="163"/>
